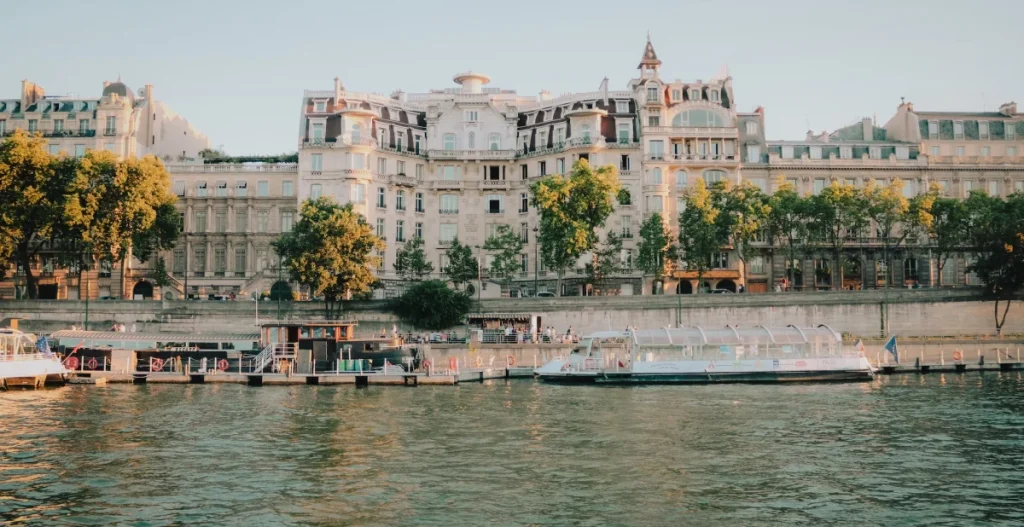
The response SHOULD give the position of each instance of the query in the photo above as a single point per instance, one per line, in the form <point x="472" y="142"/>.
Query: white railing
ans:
<point x="235" y="167"/>
<point x="260" y="362"/>
<point x="8" y="357"/>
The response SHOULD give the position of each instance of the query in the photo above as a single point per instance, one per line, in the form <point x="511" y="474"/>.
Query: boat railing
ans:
<point x="15" y="357"/>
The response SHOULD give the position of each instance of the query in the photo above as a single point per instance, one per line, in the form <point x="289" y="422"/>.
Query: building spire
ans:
<point x="650" y="58"/>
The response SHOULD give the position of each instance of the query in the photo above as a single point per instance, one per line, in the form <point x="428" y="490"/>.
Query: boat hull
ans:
<point x="707" y="372"/>
<point x="31" y="373"/>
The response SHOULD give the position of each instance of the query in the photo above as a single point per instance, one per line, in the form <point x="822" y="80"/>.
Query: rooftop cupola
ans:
<point x="471" y="81"/>
<point x="649" y="63"/>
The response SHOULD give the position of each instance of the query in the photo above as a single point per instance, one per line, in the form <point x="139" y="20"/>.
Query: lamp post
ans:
<point x="256" y="298"/>
<point x="479" y="277"/>
<point x="536" y="261"/>
<point x="187" y="256"/>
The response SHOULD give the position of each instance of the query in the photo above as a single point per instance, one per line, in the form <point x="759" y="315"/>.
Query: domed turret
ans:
<point x="471" y="81"/>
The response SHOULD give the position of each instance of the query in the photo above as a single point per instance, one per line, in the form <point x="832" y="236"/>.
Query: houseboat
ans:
<point x="327" y="346"/>
<point x="698" y="355"/>
<point x="23" y="364"/>
<point x="112" y="350"/>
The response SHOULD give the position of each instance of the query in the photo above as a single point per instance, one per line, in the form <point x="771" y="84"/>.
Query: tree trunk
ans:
<point x="25" y="260"/>
<point x="1001" y="321"/>
<point x="837" y="271"/>
<point x="558" y="282"/>
<point x="122" y="280"/>
<point x="771" y="270"/>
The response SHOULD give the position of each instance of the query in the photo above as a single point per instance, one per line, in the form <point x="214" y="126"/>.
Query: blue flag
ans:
<point x="890" y="346"/>
<point x="44" y="347"/>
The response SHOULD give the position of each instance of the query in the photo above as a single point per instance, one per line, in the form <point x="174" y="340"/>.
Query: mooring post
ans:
<point x="942" y="357"/>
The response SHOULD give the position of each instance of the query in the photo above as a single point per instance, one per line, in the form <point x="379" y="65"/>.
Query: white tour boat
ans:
<point x="23" y="364"/>
<point x="697" y="355"/>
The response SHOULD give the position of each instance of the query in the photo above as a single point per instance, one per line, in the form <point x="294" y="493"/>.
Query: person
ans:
<point x="778" y="288"/>
<point x="133" y="327"/>
<point x="394" y="329"/>
<point x="568" y="332"/>
<point x="383" y="333"/>
<point x="743" y="288"/>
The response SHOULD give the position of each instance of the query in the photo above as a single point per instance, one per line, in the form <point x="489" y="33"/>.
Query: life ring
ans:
<point x="453" y="363"/>
<point x="156" y="364"/>
<point x="91" y="363"/>
<point x="510" y="360"/>
<point x="478" y="361"/>
<point x="222" y="365"/>
<point x="958" y="356"/>
<point x="71" y="363"/>
<point x="426" y="365"/>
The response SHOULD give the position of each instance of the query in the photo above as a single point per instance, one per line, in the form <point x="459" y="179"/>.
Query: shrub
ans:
<point x="432" y="305"/>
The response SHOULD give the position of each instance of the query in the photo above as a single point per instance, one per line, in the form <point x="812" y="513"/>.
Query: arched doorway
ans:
<point x="684" y="287"/>
<point x="727" y="284"/>
<point x="281" y="291"/>
<point x="144" y="290"/>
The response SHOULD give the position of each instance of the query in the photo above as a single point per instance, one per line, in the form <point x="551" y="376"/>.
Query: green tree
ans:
<point x="701" y="235"/>
<point x="411" y="262"/>
<point x="332" y="251"/>
<point x="654" y="250"/>
<point x="745" y="211"/>
<point x="896" y="218"/>
<point x="948" y="230"/>
<point x="786" y="223"/>
<point x="462" y="267"/>
<point x="506" y="247"/>
<point x="161" y="277"/>
<point x="571" y="211"/>
<point x="432" y="305"/>
<point x="605" y="259"/>
<point x="997" y="238"/>
<point x="837" y="213"/>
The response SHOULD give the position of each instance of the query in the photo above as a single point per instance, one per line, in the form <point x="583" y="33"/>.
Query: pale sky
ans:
<point x="236" y="69"/>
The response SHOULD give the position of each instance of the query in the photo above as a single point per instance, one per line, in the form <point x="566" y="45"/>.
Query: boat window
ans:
<point x="318" y="333"/>
<point x="303" y="333"/>
<point x="227" y="345"/>
<point x="273" y="334"/>
<point x="329" y="333"/>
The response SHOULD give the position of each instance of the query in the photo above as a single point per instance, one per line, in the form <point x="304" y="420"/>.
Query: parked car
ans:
<point x="545" y="294"/>
<point x="720" y="291"/>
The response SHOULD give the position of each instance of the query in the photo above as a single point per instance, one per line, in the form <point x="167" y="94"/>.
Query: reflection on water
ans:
<point x="908" y="450"/>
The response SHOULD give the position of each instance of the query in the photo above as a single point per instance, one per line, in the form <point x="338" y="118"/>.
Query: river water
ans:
<point x="906" y="450"/>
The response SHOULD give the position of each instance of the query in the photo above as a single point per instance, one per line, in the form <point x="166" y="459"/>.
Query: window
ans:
<point x="449" y="204"/>
<point x="471" y="141"/>
<point x="757" y="265"/>
<point x="655" y="204"/>
<point x="695" y="95"/>
<point x="714" y="176"/>
<point x="382" y="198"/>
<point x="701" y="118"/>
<point x="320" y="106"/>
<point x="524" y="232"/>
<point x="316" y="162"/>
<point x="1009" y="131"/>
<point x="902" y="152"/>
<point x="713" y="95"/>
<point x="199" y="261"/>
<point x="1018" y="186"/>
<point x="315" y="190"/>
<point x="417" y="145"/>
<point x="449" y="141"/>
<point x="621" y="106"/>
<point x="287" y="221"/>
<point x="627" y="226"/>
<point x="400" y="200"/>
<point x="909" y="188"/>
<point x="654" y="177"/>
<point x="542" y="168"/>
<point x="494" y="142"/>
<point x="222" y="189"/>
<point x="359" y="161"/>
<point x="875" y="152"/>
<point x="262" y="220"/>
<point x="720" y="260"/>
<point x="652" y="92"/>
<point x="448" y="173"/>
<point x="524" y="202"/>
<point x="677" y="95"/>
<point x="624" y="133"/>
<point x="524" y="263"/>
<point x="263" y="189"/>
<point x="787" y="152"/>
<point x="179" y="188"/>
<point x="985" y="151"/>
<point x="472" y="116"/>
<point x="381" y="226"/>
<point x="815" y="152"/>
<point x="382" y="166"/>
<point x="968" y="185"/>
<point x="240" y="262"/>
<point x="111" y="128"/>
<point x="654" y="117"/>
<point x="935" y="150"/>
<point x="356" y="132"/>
<point x="983" y="129"/>
<point x="200" y="189"/>
<point x="58" y="125"/>
<point x="241" y="220"/>
<point x="559" y="136"/>
<point x="178" y="257"/>
<point x="542" y="139"/>
<point x="525" y="170"/>
<point x="382" y="136"/>
<point x="200" y="221"/>
<point x="993" y="188"/>
<point x="419" y="202"/>
<point x="400" y="231"/>
<point x="494" y="204"/>
<point x="753" y="154"/>
<point x="419" y="172"/>
<point x="3" y="126"/>
<point x="359" y="193"/>
<point x="845" y="152"/>
<point x="819" y="185"/>
<point x="933" y="129"/>
<point x="318" y="133"/>
<point x="751" y="127"/>
<point x="241" y="189"/>
<point x="681" y="181"/>
<point x="419" y="230"/>
<point x="1011" y="151"/>
<point x="287" y="189"/>
<point x="79" y="150"/>
<point x="220" y="263"/>
<point x="958" y="129"/>
<point x="560" y="165"/>
<point x="960" y="151"/>
<point x="448" y="232"/>
<point x="400" y="142"/>
<point x="657" y="150"/>
<point x="759" y="183"/>
<point x="221" y="221"/>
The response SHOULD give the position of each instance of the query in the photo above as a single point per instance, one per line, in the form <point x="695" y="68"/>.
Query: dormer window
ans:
<point x="449" y="142"/>
<point x="621" y="106"/>
<point x="472" y="116"/>
<point x="241" y="189"/>
<point x="713" y="94"/>
<point x="983" y="129"/>
<point x="652" y="92"/>
<point x="958" y="129"/>
<point x="695" y="94"/>
<point x="547" y="115"/>
<point x="320" y="106"/>
<point x="677" y="95"/>
<point x="533" y="118"/>
<point x="222" y="189"/>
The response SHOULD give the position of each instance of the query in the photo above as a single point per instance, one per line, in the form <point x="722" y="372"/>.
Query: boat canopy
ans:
<point x="732" y="336"/>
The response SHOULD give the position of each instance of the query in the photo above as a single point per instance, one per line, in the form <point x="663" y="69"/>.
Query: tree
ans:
<point x="606" y="258"/>
<point x="411" y="262"/>
<point x="744" y="215"/>
<point x="997" y="238"/>
<point x="506" y="247"/>
<point x="331" y="250"/>
<point x="432" y="305"/>
<point x="948" y="230"/>
<point x="571" y="211"/>
<point x="462" y="267"/>
<point x="700" y="233"/>
<point x="786" y="223"/>
<point x="895" y="217"/>
<point x="654" y="248"/>
<point x="161" y="278"/>
<point x="837" y="213"/>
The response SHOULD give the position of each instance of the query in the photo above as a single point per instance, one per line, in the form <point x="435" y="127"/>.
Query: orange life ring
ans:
<point x="426" y="365"/>
<point x="71" y="363"/>
<point x="91" y="363"/>
<point x="957" y="355"/>
<point x="478" y="361"/>
<point x="156" y="364"/>
<point x="222" y="365"/>
<point x="510" y="360"/>
<point x="453" y="363"/>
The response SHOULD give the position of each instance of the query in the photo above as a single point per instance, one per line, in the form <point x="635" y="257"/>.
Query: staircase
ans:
<point x="272" y="353"/>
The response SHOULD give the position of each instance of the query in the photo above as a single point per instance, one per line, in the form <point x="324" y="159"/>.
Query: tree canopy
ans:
<point x="505" y="247"/>
<point x="997" y="239"/>
<point x="462" y="267"/>
<point x="411" y="261"/>
<point x="654" y="250"/>
<point x="701" y="235"/>
<point x="432" y="305"/>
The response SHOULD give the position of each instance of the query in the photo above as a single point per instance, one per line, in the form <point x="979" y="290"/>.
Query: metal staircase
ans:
<point x="271" y="354"/>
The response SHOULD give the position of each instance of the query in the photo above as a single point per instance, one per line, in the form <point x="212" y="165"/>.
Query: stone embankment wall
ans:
<point x="917" y="313"/>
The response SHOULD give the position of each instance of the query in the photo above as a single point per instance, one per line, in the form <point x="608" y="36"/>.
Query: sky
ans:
<point x="236" y="68"/>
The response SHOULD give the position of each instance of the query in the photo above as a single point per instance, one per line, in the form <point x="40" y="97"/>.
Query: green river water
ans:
<point x="905" y="450"/>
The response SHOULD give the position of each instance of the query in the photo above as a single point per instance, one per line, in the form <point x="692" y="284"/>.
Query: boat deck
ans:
<point x="276" y="379"/>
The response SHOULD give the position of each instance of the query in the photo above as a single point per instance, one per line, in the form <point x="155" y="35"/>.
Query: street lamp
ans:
<point x="536" y="261"/>
<point x="256" y="298"/>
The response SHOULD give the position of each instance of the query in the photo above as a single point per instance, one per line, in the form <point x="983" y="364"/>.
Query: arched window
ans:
<point x="714" y="176"/>
<point x="357" y="131"/>
<point x="586" y="131"/>
<point x="681" y="179"/>
<point x="701" y="118"/>
<point x="449" y="141"/>
<point x="654" y="177"/>
<point x="494" y="142"/>
<point x="472" y="141"/>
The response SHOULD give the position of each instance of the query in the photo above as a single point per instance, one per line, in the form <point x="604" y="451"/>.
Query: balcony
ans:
<point x="110" y="131"/>
<point x="400" y="208"/>
<point x="693" y="132"/>
<point x="471" y="154"/>
<point x="402" y="150"/>
<point x="584" y="142"/>
<point x="494" y="211"/>
<point x="447" y="184"/>
<point x="495" y="183"/>
<point x="319" y="142"/>
<point x="448" y="211"/>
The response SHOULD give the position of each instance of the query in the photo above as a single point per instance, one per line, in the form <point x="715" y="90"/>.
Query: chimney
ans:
<point x="337" y="90"/>
<point x="545" y="95"/>
<point x="148" y="92"/>
<point x="1009" y="109"/>
<point x="30" y="93"/>
<point x="869" y="129"/>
